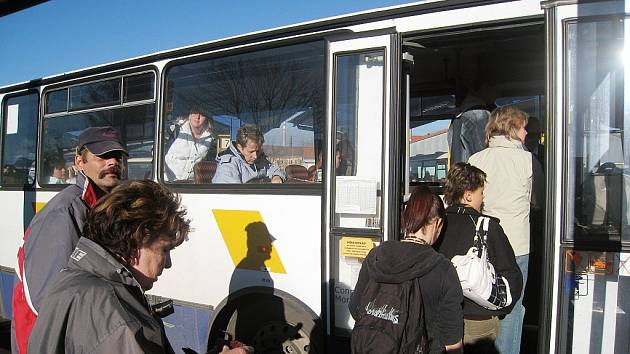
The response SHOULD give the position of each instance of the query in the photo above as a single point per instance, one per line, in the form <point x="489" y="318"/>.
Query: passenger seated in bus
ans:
<point x="259" y="180"/>
<point x="194" y="141"/>
<point x="344" y="158"/>
<point x="31" y="173"/>
<point x="72" y="173"/>
<point x="57" y="171"/>
<point x="244" y="159"/>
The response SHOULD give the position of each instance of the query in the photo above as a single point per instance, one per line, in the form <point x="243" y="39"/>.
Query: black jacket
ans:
<point x="396" y="262"/>
<point x="457" y="238"/>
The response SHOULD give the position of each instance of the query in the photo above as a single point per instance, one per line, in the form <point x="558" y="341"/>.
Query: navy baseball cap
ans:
<point x="101" y="140"/>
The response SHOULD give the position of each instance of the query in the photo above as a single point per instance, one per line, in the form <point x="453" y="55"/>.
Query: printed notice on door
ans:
<point x="355" y="195"/>
<point x="358" y="247"/>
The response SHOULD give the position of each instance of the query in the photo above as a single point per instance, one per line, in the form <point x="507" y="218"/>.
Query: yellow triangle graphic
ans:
<point x="248" y="240"/>
<point x="37" y="206"/>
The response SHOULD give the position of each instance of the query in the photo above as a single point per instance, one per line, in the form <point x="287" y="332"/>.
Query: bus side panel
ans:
<point x="16" y="211"/>
<point x="240" y="241"/>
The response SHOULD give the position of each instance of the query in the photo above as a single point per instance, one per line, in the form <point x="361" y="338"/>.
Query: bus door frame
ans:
<point x="385" y="223"/>
<point x="559" y="218"/>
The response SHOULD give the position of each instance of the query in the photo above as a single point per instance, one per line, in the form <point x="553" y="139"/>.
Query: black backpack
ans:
<point x="390" y="320"/>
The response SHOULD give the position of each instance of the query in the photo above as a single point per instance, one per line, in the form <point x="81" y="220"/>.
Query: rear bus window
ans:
<point x="135" y="123"/>
<point x="18" y="139"/>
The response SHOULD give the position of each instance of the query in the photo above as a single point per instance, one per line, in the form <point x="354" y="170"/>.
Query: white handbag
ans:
<point x="476" y="273"/>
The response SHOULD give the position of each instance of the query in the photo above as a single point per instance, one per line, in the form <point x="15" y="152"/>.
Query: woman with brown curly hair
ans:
<point x="97" y="303"/>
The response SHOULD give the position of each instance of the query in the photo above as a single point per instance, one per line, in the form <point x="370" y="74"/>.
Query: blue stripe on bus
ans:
<point x="188" y="327"/>
<point x="6" y="293"/>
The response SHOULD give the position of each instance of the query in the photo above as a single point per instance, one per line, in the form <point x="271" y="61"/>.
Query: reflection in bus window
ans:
<point x="598" y="159"/>
<point x="279" y="90"/>
<point x="19" y="137"/>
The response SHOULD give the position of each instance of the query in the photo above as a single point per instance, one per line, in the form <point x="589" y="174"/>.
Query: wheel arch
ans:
<point x="293" y="308"/>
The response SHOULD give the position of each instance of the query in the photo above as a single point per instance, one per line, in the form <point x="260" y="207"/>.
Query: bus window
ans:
<point x="138" y="87"/>
<point x="95" y="94"/>
<point x="280" y="91"/>
<point x="18" y="139"/>
<point x="136" y="124"/>
<point x="599" y="182"/>
<point x="57" y="101"/>
<point x="358" y="116"/>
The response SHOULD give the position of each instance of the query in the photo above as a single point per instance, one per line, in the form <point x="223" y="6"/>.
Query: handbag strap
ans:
<point x="482" y="224"/>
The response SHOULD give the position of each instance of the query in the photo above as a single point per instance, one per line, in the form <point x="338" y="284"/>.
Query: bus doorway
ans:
<point x="448" y="75"/>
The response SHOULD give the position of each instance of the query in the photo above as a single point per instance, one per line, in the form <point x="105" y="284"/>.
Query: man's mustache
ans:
<point x="112" y="170"/>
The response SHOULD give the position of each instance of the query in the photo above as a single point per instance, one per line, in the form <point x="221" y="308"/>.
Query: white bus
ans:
<point x="276" y="264"/>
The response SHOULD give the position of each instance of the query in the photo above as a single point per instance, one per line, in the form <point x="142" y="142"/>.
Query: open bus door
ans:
<point x="361" y="195"/>
<point x="588" y="205"/>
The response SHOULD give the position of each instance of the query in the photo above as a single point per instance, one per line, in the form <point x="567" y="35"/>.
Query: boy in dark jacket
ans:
<point x="464" y="194"/>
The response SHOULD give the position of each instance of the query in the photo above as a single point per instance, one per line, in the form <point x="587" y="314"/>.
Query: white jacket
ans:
<point x="508" y="188"/>
<point x="185" y="152"/>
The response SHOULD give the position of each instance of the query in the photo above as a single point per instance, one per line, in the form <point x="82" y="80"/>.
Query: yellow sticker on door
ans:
<point x="248" y="240"/>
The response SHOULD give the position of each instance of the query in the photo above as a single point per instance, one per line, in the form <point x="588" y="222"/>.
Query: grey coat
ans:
<point x="52" y="235"/>
<point x="232" y="168"/>
<point x="466" y="134"/>
<point x="96" y="306"/>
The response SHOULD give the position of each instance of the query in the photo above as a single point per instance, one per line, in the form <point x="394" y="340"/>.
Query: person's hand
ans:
<point x="276" y="179"/>
<point x="241" y="350"/>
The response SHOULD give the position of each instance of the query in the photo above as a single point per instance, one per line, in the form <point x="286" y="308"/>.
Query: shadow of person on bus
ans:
<point x="258" y="313"/>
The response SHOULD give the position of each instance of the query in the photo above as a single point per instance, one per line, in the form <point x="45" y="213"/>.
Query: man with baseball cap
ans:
<point x="55" y="230"/>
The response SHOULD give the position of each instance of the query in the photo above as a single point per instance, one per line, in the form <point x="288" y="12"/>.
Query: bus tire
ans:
<point x="269" y="323"/>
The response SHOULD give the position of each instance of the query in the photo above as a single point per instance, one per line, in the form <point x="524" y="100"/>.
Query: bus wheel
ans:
<point x="273" y="325"/>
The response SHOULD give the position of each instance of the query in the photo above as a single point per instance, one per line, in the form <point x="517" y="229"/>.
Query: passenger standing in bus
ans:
<point x="55" y="230"/>
<point x="244" y="159"/>
<point x="414" y="258"/>
<point x="194" y="141"/>
<point x="464" y="194"/>
<point x="508" y="196"/>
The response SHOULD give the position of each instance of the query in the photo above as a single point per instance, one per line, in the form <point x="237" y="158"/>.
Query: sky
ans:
<point x="64" y="35"/>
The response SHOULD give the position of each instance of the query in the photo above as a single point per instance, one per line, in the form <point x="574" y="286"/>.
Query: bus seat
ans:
<point x="297" y="171"/>
<point x="204" y="171"/>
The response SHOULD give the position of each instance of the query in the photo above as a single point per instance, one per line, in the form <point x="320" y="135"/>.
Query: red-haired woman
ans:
<point x="413" y="257"/>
